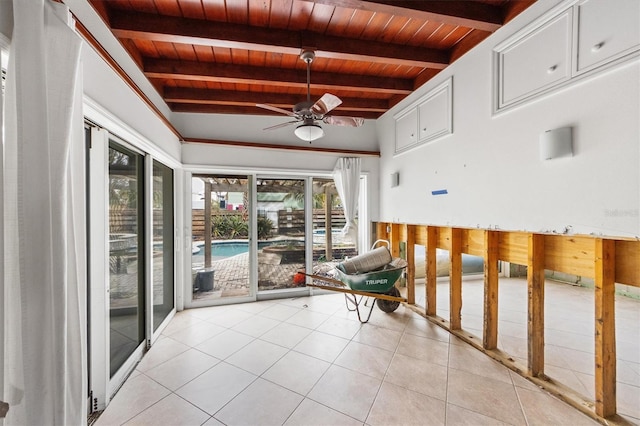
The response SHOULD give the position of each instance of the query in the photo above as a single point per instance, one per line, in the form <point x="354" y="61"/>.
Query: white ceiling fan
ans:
<point x="309" y="114"/>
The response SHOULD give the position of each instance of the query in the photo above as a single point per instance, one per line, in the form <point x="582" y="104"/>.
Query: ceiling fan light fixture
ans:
<point x="309" y="132"/>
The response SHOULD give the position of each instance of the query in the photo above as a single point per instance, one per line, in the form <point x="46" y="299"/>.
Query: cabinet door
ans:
<point x="434" y="115"/>
<point x="607" y="30"/>
<point x="406" y="130"/>
<point x="537" y="61"/>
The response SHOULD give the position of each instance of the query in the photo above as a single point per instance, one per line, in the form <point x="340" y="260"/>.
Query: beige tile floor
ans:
<point x="308" y="361"/>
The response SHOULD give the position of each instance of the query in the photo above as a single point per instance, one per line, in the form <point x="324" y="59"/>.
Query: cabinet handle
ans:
<point x="551" y="69"/>
<point x="424" y="129"/>
<point x="597" y="47"/>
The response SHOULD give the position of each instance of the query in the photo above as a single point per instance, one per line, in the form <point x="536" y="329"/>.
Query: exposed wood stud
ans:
<point x="394" y="240"/>
<point x="535" y="305"/>
<point x="411" y="269"/>
<point x="455" y="280"/>
<point x="612" y="260"/>
<point x="490" y="328"/>
<point x="605" y="332"/>
<point x="431" y="271"/>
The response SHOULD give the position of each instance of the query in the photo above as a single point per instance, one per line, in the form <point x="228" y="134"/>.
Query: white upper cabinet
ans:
<point x="573" y="40"/>
<point x="428" y="118"/>
<point x="406" y="130"/>
<point x="434" y="114"/>
<point x="537" y="61"/>
<point x="607" y="30"/>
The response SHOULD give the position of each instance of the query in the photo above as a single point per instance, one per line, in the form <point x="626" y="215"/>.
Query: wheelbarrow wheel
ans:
<point x="389" y="306"/>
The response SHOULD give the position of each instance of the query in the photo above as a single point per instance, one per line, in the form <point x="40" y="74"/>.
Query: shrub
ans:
<point x="226" y="227"/>
<point x="265" y="227"/>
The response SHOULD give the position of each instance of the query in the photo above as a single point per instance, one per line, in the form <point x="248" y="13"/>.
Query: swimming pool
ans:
<point x="224" y="249"/>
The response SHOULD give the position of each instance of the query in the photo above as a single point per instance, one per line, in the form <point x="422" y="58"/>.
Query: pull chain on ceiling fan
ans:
<point x="308" y="113"/>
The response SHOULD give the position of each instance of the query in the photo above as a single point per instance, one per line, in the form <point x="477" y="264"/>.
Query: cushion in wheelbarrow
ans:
<point x="370" y="261"/>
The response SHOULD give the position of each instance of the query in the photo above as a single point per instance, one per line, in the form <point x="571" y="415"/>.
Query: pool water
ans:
<point x="223" y="249"/>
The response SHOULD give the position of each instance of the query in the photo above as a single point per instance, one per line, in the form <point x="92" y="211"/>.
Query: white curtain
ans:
<point x="44" y="277"/>
<point x="346" y="175"/>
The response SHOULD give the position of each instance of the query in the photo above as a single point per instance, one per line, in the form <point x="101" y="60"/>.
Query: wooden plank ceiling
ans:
<point x="226" y="56"/>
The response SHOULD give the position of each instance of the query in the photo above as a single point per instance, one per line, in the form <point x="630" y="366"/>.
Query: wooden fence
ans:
<point x="289" y="223"/>
<point x="125" y="221"/>
<point x="607" y="260"/>
<point x="292" y="222"/>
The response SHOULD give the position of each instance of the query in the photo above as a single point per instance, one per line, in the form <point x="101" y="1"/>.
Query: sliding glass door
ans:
<point x="126" y="254"/>
<point x="221" y="238"/>
<point x="252" y="234"/>
<point x="329" y="244"/>
<point x="131" y="251"/>
<point x="162" y="246"/>
<point x="281" y="232"/>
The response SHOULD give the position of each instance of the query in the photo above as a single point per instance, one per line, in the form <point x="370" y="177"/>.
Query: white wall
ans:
<point x="195" y="155"/>
<point x="6" y="18"/>
<point x="232" y="127"/>
<point x="103" y="86"/>
<point x="490" y="165"/>
<point x="250" y="128"/>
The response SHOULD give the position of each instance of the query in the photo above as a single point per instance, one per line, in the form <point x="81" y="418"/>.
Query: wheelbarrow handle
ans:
<point x="375" y="243"/>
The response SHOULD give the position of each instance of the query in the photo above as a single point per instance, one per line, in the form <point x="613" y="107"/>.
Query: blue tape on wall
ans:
<point x="439" y="192"/>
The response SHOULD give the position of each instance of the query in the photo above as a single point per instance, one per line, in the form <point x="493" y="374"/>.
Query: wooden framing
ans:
<point x="455" y="275"/>
<point x="605" y="331"/>
<point x="411" y="269"/>
<point x="430" y="261"/>
<point x="607" y="260"/>
<point x="490" y="328"/>
<point x="535" y="308"/>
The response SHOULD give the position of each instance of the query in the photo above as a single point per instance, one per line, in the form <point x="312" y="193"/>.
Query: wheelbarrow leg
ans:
<point x="352" y="298"/>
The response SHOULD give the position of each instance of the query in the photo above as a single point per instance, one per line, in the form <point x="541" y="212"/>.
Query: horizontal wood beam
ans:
<point x="258" y="145"/>
<point x="170" y="29"/>
<point x="227" y="73"/>
<point x="235" y="98"/>
<point x="471" y="14"/>
<point x="248" y="110"/>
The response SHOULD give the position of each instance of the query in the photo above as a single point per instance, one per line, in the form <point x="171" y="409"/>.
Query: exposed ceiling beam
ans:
<point x="219" y="34"/>
<point x="226" y="73"/>
<point x="311" y="148"/>
<point x="281" y="100"/>
<point x="471" y="14"/>
<point x="253" y="110"/>
<point x="468" y="43"/>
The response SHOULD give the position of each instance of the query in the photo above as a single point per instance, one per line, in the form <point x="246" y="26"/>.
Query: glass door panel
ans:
<point x="220" y="230"/>
<point x="328" y="221"/>
<point x="163" y="297"/>
<point x="126" y="253"/>
<point x="281" y="232"/>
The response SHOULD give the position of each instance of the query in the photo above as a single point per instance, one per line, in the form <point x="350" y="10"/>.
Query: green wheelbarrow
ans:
<point x="370" y="275"/>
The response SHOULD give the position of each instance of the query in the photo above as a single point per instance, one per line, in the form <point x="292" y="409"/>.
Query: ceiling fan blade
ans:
<point x="344" y="121"/>
<point x="277" y="126"/>
<point x="325" y="104"/>
<point x="276" y="109"/>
